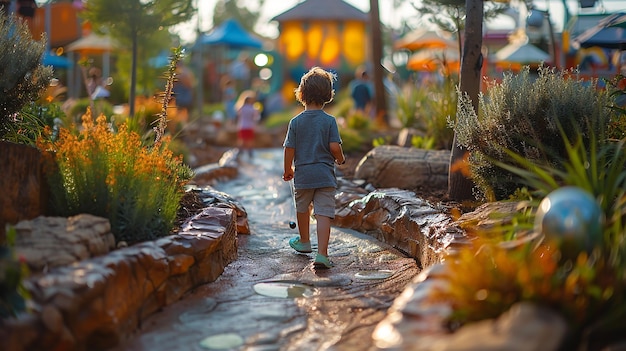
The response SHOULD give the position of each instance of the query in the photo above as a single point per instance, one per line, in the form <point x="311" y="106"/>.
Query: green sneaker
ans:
<point x="299" y="246"/>
<point x="322" y="262"/>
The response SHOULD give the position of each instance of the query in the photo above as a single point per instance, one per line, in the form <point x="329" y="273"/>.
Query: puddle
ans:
<point x="225" y="341"/>
<point x="284" y="289"/>
<point x="374" y="275"/>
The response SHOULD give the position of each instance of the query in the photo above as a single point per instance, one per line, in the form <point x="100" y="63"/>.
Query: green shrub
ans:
<point x="428" y="109"/>
<point x="109" y="171"/>
<point x="589" y="290"/>
<point x="358" y="121"/>
<point x="617" y="91"/>
<point x="79" y="108"/>
<point x="353" y="140"/>
<point x="523" y="115"/>
<point x="30" y="122"/>
<point x="23" y="77"/>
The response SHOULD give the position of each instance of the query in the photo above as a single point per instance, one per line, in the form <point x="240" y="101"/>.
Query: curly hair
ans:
<point x="316" y="87"/>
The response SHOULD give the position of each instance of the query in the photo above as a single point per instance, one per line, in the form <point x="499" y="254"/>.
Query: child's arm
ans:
<point x="288" y="156"/>
<point x="337" y="151"/>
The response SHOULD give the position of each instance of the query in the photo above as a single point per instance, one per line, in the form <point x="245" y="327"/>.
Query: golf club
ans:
<point x="292" y="224"/>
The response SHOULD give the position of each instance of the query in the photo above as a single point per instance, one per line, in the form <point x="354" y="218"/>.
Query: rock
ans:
<point x="524" y="327"/>
<point x="48" y="242"/>
<point x="391" y="166"/>
<point x="95" y="302"/>
<point x="396" y="217"/>
<point x="406" y="135"/>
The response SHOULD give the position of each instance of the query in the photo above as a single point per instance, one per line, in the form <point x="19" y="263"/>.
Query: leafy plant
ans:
<point x="486" y="279"/>
<point x="428" y="109"/>
<point x="13" y="295"/>
<point x="408" y="103"/>
<point x="24" y="78"/>
<point x="523" y="114"/>
<point x="110" y="172"/>
<point x="422" y="142"/>
<point x="617" y="93"/>
<point x="30" y="122"/>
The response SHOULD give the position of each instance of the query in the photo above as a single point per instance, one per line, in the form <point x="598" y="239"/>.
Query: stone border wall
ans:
<point x="97" y="302"/>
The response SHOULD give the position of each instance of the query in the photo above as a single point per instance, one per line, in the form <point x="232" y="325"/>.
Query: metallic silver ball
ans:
<point x="571" y="217"/>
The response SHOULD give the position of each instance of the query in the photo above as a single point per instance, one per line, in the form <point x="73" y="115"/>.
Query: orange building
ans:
<point x="65" y="26"/>
<point x="331" y="34"/>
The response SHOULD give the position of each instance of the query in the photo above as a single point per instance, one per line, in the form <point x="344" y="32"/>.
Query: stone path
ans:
<point x="271" y="298"/>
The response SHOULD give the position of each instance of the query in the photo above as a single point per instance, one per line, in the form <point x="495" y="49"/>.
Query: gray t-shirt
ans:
<point x="310" y="134"/>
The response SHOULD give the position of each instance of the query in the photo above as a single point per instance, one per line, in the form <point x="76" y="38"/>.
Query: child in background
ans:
<point x="247" y="118"/>
<point x="311" y="148"/>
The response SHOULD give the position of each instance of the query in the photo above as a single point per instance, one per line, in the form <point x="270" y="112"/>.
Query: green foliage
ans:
<point x="246" y="16"/>
<point x="449" y="15"/>
<point x="428" y="108"/>
<point x="23" y="78"/>
<point x="147" y="75"/>
<point x="408" y="103"/>
<point x="110" y="171"/>
<point x="525" y="116"/>
<point x="358" y="121"/>
<point x="380" y="141"/>
<point x="352" y="140"/>
<point x="113" y="175"/>
<point x="30" y="122"/>
<point x="421" y="142"/>
<point x="13" y="295"/>
<point x="617" y="93"/>
<point x="589" y="291"/>
<point x="80" y="106"/>
<point x="485" y="280"/>
<point x="140" y="19"/>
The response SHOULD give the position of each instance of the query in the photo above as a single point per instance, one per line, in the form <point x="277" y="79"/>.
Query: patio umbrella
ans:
<point x="433" y="59"/>
<point x="609" y="33"/>
<point x="422" y="39"/>
<point x="92" y="44"/>
<point x="522" y="54"/>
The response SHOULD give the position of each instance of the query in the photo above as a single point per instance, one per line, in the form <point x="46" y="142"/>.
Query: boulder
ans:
<point x="390" y="166"/>
<point x="48" y="242"/>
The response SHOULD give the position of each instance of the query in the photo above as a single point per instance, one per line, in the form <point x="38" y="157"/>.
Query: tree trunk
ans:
<point x="459" y="184"/>
<point x="23" y="183"/>
<point x="380" y="100"/>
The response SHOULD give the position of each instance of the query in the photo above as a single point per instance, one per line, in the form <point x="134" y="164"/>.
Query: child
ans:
<point x="247" y="118"/>
<point x="311" y="147"/>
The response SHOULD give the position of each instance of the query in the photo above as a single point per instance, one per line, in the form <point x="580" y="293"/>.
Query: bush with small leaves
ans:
<point x="527" y="115"/>
<point x="24" y="77"/>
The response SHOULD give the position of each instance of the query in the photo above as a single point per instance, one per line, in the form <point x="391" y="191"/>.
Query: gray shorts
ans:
<point x="323" y="201"/>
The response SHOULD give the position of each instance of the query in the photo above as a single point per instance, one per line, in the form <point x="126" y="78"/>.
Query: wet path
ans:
<point x="271" y="297"/>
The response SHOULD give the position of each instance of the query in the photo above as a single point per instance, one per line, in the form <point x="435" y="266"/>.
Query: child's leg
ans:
<point x="323" y="234"/>
<point x="303" y="226"/>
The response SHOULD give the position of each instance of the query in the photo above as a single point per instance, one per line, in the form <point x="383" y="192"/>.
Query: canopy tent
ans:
<point x="423" y="39"/>
<point x="522" y="54"/>
<point x="433" y="59"/>
<point x="91" y="44"/>
<point x="609" y="33"/>
<point x="228" y="35"/>
<point x="56" y="61"/>
<point x="231" y="34"/>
